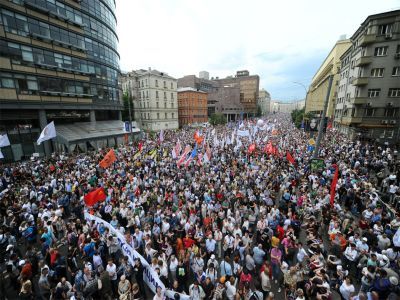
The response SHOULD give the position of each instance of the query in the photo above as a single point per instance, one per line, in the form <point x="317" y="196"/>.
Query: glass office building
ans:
<point x="59" y="62"/>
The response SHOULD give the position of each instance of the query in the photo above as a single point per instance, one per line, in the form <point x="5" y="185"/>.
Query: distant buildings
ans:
<point x="264" y="102"/>
<point x="319" y="86"/>
<point x="231" y="96"/>
<point x="286" y="107"/>
<point x="368" y="93"/>
<point x="155" y="98"/>
<point x="192" y="106"/>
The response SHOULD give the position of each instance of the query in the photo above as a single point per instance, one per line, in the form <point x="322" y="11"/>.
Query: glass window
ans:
<point x="7" y="82"/>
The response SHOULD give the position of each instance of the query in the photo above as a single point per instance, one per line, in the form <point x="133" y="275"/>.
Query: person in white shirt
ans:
<point x="112" y="272"/>
<point x="301" y="253"/>
<point x="350" y="258"/>
<point x="347" y="289"/>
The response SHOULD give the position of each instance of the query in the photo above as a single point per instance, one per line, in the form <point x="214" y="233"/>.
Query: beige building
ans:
<point x="155" y="98"/>
<point x="286" y="107"/>
<point x="319" y="86"/>
<point x="264" y="101"/>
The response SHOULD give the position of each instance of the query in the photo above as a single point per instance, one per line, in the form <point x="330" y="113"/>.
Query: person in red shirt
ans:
<point x="26" y="272"/>
<point x="281" y="232"/>
<point x="188" y="242"/>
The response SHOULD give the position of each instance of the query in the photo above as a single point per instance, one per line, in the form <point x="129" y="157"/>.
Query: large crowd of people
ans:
<point x="248" y="222"/>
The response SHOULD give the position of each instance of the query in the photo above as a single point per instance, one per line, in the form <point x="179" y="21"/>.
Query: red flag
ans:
<point x="251" y="149"/>
<point x="329" y="125"/>
<point x="334" y="182"/>
<point x="198" y="138"/>
<point x="140" y="146"/>
<point x="290" y="158"/>
<point x="95" y="196"/>
<point x="108" y="159"/>
<point x="183" y="156"/>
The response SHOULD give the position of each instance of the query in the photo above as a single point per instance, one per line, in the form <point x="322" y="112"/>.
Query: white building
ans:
<point x="286" y="107"/>
<point x="155" y="98"/>
<point x="264" y="101"/>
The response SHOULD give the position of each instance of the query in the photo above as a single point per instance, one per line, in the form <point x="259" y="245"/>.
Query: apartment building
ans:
<point x="154" y="98"/>
<point x="264" y="102"/>
<point x="368" y="94"/>
<point x="59" y="62"/>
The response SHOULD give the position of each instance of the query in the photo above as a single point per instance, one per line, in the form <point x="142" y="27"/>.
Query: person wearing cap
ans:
<point x="362" y="246"/>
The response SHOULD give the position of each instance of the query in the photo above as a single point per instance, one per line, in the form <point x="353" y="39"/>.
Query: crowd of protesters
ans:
<point x="242" y="224"/>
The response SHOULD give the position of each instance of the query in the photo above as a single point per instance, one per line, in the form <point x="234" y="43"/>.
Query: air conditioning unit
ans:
<point x="388" y="35"/>
<point x="384" y="122"/>
<point x="392" y="122"/>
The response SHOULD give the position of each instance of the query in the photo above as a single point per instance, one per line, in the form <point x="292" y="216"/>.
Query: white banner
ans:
<point x="150" y="276"/>
<point x="4" y="141"/>
<point x="243" y="132"/>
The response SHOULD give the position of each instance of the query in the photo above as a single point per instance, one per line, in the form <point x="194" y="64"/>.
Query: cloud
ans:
<point x="282" y="41"/>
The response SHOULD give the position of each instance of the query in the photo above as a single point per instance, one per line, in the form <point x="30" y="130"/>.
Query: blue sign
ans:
<point x="127" y="126"/>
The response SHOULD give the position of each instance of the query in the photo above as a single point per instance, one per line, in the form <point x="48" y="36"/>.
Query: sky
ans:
<point x="282" y="41"/>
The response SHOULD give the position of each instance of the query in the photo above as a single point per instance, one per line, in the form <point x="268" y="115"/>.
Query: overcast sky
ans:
<point x="281" y="41"/>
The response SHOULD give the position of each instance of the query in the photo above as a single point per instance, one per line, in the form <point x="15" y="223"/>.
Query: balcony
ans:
<point x="351" y="120"/>
<point x="367" y="39"/>
<point x="360" y="100"/>
<point x="360" y="81"/>
<point x="364" y="60"/>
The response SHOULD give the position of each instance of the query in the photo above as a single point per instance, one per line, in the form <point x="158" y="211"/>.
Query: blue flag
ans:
<point x="194" y="152"/>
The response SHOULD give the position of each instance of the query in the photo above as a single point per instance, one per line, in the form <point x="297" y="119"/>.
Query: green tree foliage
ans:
<point x="297" y="116"/>
<point x="127" y="100"/>
<point x="217" y="119"/>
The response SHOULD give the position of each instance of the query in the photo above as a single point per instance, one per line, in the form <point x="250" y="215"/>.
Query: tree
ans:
<point x="259" y="111"/>
<point x="217" y="119"/>
<point x="127" y="100"/>
<point x="298" y="116"/>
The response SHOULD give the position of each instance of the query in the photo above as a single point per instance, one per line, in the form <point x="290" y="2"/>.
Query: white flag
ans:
<point x="174" y="153"/>
<point x="48" y="133"/>
<point x="243" y="133"/>
<point x="1" y="155"/>
<point x="4" y="141"/>
<point x="162" y="135"/>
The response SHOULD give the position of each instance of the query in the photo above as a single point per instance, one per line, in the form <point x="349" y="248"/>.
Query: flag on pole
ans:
<point x="173" y="153"/>
<point x="183" y="156"/>
<point x="161" y="136"/>
<point x="178" y="148"/>
<point x="290" y="158"/>
<point x="200" y="159"/>
<point x="95" y="196"/>
<point x="140" y="146"/>
<point x="47" y="133"/>
<point x="206" y="159"/>
<point x="334" y="183"/>
<point x="251" y="148"/>
<point x="192" y="156"/>
<point x="4" y="141"/>
<point x="108" y="159"/>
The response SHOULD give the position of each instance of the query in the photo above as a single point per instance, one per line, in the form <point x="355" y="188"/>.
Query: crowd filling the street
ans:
<point x="236" y="211"/>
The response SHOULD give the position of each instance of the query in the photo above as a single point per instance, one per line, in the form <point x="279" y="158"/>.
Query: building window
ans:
<point x="148" y="116"/>
<point x="172" y="104"/>
<point x="373" y="93"/>
<point x="377" y="72"/>
<point x="156" y="83"/>
<point x="381" y="51"/>
<point x="385" y="29"/>
<point x="146" y="83"/>
<point x="165" y="95"/>
<point x="369" y="112"/>
<point x="388" y="134"/>
<point x="166" y="116"/>
<point x="391" y="112"/>
<point x="173" y="115"/>
<point x="147" y="94"/>
<point x="158" y="116"/>
<point x="172" y="96"/>
<point x="396" y="71"/>
<point x="156" y="94"/>
<point x="394" y="92"/>
<point x="157" y="104"/>
<point x="165" y="84"/>
<point x="165" y="104"/>
<point x="172" y="86"/>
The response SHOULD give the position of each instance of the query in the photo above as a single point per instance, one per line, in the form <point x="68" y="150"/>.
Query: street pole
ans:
<point x="322" y="121"/>
<point x="130" y="115"/>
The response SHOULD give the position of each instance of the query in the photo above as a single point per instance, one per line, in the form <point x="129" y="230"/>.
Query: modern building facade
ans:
<point x="369" y="89"/>
<point x="319" y="85"/>
<point x="154" y="97"/>
<point x="59" y="62"/>
<point x="264" y="102"/>
<point x="248" y="86"/>
<point x="192" y="106"/>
